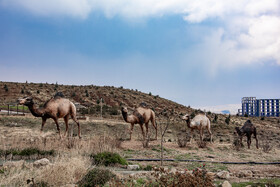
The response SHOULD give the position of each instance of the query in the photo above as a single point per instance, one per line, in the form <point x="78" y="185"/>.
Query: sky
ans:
<point x="197" y="53"/>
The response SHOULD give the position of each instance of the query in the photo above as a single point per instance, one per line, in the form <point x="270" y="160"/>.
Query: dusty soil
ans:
<point x="21" y="132"/>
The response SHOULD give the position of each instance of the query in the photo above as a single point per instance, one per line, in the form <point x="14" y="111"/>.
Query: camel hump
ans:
<point x="139" y="116"/>
<point x="143" y="104"/>
<point x="58" y="94"/>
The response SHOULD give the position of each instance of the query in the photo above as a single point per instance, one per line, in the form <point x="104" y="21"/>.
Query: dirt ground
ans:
<point x="20" y="132"/>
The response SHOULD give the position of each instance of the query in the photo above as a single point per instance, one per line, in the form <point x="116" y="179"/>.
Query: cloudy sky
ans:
<point x="197" y="53"/>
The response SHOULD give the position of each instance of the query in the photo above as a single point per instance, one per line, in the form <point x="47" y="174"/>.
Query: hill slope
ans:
<point x="89" y="96"/>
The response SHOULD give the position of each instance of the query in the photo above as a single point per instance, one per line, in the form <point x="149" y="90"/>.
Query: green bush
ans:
<point x="227" y="120"/>
<point x="96" y="177"/>
<point x="108" y="158"/>
<point x="26" y="152"/>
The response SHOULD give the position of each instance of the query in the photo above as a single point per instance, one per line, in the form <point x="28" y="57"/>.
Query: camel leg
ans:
<point x="249" y="141"/>
<point x="43" y="123"/>
<point x="77" y="122"/>
<point x="66" y="118"/>
<point x="147" y="129"/>
<point x="141" y="125"/>
<point x="201" y="134"/>
<point x="131" y="129"/>
<point x="155" y="126"/>
<point x="57" y="126"/>
<point x="241" y="145"/>
<point x="191" y="135"/>
<point x="257" y="142"/>
<point x="210" y="133"/>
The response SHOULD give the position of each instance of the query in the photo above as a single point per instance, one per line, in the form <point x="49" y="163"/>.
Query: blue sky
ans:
<point x="197" y="53"/>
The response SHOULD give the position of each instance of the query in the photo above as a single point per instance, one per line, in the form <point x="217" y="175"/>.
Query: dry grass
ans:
<point x="65" y="169"/>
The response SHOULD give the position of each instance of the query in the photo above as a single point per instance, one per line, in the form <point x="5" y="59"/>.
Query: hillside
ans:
<point x="90" y="97"/>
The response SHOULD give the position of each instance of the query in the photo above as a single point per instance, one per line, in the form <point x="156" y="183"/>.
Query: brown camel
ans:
<point x="140" y="116"/>
<point x="55" y="108"/>
<point x="247" y="129"/>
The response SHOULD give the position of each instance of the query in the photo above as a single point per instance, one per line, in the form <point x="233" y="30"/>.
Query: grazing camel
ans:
<point x="140" y="116"/>
<point x="247" y="129"/>
<point x="55" y="108"/>
<point x="199" y="122"/>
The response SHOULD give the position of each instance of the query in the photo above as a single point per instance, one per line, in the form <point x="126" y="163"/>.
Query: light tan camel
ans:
<point x="55" y="108"/>
<point x="199" y="122"/>
<point x="140" y="116"/>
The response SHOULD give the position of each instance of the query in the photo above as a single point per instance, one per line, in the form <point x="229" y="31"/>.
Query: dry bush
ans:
<point x="266" y="145"/>
<point x="181" y="140"/>
<point x="63" y="170"/>
<point x="96" y="177"/>
<point x="201" y="144"/>
<point x="163" y="177"/>
<point x="146" y="141"/>
<point x="237" y="144"/>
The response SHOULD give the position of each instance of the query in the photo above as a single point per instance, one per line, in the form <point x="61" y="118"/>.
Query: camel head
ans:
<point x="26" y="101"/>
<point x="186" y="117"/>
<point x="124" y="109"/>
<point x="237" y="129"/>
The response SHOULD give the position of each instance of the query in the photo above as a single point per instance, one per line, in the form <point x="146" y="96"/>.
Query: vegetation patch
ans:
<point x="260" y="183"/>
<point x="26" y="152"/>
<point x="96" y="177"/>
<point x="108" y="159"/>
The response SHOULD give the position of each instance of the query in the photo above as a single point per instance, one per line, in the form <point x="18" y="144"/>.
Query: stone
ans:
<point x="41" y="162"/>
<point x="133" y="167"/>
<point x="245" y="174"/>
<point x="210" y="174"/>
<point x="223" y="174"/>
<point x="226" y="184"/>
<point x="169" y="131"/>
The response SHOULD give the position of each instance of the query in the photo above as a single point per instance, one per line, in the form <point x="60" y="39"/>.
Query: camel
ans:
<point x="247" y="129"/>
<point x="199" y="122"/>
<point x="55" y="108"/>
<point x="140" y="116"/>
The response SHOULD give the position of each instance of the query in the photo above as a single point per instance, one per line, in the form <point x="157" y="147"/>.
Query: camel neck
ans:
<point x="35" y="111"/>
<point x="124" y="114"/>
<point x="188" y="123"/>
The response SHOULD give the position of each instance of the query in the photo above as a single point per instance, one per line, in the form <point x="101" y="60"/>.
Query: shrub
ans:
<point x="227" y="120"/>
<point x="266" y="146"/>
<point x="245" y="115"/>
<point x="182" y="140"/>
<point x="108" y="159"/>
<point x="6" y="88"/>
<point x="148" y="168"/>
<point x="96" y="177"/>
<point x="163" y="177"/>
<point x="215" y="118"/>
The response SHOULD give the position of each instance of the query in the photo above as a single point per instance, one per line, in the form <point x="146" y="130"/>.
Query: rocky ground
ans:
<point x="112" y="135"/>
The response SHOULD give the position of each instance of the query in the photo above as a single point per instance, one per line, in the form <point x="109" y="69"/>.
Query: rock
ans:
<point x="173" y="170"/>
<point x="211" y="175"/>
<point x="169" y="131"/>
<point x="41" y="162"/>
<point x="133" y="167"/>
<point x="14" y="164"/>
<point x="245" y="174"/>
<point x="226" y="184"/>
<point x="223" y="174"/>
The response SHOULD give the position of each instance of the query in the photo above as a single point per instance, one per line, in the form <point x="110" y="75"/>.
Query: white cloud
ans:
<point x="250" y="31"/>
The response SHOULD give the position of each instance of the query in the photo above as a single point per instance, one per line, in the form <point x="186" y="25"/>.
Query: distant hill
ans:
<point x="89" y="96"/>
